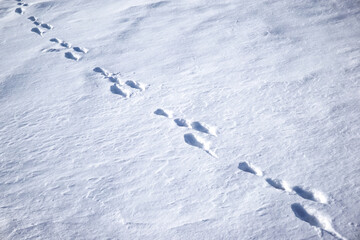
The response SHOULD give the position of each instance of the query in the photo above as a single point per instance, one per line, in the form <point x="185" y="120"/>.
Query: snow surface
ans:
<point x="189" y="119"/>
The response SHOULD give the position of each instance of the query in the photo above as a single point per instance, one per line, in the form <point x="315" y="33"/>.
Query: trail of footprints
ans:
<point x="21" y="7"/>
<point x="120" y="87"/>
<point x="73" y="53"/>
<point x="125" y="89"/>
<point x="306" y="214"/>
<point x="41" y="27"/>
<point x="190" y="138"/>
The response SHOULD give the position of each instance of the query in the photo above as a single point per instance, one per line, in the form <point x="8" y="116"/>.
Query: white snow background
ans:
<point x="188" y="119"/>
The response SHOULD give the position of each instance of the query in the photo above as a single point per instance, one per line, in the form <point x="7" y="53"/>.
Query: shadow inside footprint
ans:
<point x="37" y="31"/>
<point x="193" y="141"/>
<point x="47" y="26"/>
<point x="116" y="89"/>
<point x="72" y="56"/>
<point x="102" y="71"/>
<point x="304" y="194"/>
<point x="162" y="112"/>
<point x="198" y="126"/>
<point x="198" y="142"/>
<point x="275" y="183"/>
<point x="181" y="122"/>
<point x="55" y="40"/>
<point x="303" y="215"/>
<point x="32" y="18"/>
<point x="134" y="84"/>
<point x="19" y="11"/>
<point x="80" y="49"/>
<point x="246" y="167"/>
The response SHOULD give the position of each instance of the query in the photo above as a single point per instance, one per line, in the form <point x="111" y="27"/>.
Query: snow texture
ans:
<point x="190" y="119"/>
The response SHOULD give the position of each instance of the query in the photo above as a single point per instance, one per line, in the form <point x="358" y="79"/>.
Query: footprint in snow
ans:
<point x="182" y="122"/>
<point x="37" y="31"/>
<point x="38" y="23"/>
<point x="32" y="18"/>
<point x="102" y="71"/>
<point x="162" y="112"/>
<point x="55" y="40"/>
<point x="80" y="49"/>
<point x="65" y="44"/>
<point x="119" y="86"/>
<point x="46" y="26"/>
<point x="198" y="142"/>
<point x="198" y="126"/>
<point x="315" y="219"/>
<point x="278" y="184"/>
<point x="69" y="45"/>
<point x="117" y="89"/>
<point x="72" y="56"/>
<point x="23" y="4"/>
<point x="202" y="127"/>
<point x="312" y="195"/>
<point x="190" y="138"/>
<point x="247" y="167"/>
<point x="19" y="11"/>
<point x="112" y="77"/>
<point x="136" y="85"/>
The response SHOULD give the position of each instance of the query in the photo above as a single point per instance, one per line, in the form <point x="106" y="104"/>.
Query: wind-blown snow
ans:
<point x="190" y="119"/>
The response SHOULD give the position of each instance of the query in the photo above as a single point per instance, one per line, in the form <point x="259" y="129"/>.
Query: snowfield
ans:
<point x="187" y="119"/>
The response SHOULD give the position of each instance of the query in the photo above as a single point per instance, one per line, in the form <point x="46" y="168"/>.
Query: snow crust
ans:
<point x="190" y="119"/>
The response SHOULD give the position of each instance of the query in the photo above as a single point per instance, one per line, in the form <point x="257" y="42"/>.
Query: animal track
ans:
<point x="190" y="138"/>
<point x="22" y="4"/>
<point x="56" y="40"/>
<point x="198" y="126"/>
<point x="32" y="18"/>
<point x="47" y="26"/>
<point x="117" y="89"/>
<point x="247" y="167"/>
<point x="307" y="215"/>
<point x="112" y="77"/>
<point x="164" y="113"/>
<point x="321" y="222"/>
<point x="67" y="45"/>
<point x="38" y="23"/>
<point x="72" y="56"/>
<point x="278" y="184"/>
<point x="38" y="31"/>
<point x="312" y="195"/>
<point x="135" y="85"/>
<point x="102" y="71"/>
<point x="195" y="141"/>
<point x="19" y="11"/>
<point x="182" y="122"/>
<point x="315" y="196"/>
<point x="315" y="219"/>
<point x="201" y="127"/>
<point x="80" y="49"/>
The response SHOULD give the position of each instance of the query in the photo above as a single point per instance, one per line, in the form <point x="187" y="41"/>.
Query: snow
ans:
<point x="191" y="119"/>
